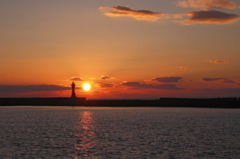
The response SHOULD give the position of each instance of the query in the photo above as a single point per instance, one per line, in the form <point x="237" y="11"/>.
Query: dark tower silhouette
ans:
<point x="73" y="90"/>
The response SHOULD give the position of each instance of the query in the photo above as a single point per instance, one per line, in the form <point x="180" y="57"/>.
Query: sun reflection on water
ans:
<point x="85" y="144"/>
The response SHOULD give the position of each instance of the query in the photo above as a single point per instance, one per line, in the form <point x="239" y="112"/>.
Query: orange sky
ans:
<point x="124" y="49"/>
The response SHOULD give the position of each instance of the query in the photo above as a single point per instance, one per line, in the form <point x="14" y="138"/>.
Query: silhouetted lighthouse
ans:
<point x="73" y="90"/>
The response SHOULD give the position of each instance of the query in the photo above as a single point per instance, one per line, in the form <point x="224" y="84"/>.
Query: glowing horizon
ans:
<point x="143" y="49"/>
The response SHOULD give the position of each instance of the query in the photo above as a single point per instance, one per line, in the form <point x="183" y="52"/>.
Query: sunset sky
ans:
<point x="122" y="48"/>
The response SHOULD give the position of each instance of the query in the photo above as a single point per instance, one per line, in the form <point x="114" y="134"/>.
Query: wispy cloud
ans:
<point x="105" y="85"/>
<point x="167" y="79"/>
<point x="137" y="85"/>
<point x="212" y="79"/>
<point x="224" y="80"/>
<point x="105" y="77"/>
<point x="76" y="79"/>
<point x="229" y="81"/>
<point x="204" y="16"/>
<point x="125" y="11"/>
<point x="183" y="68"/>
<point x="209" y="16"/>
<point x="31" y="88"/>
<point x="226" y="4"/>
<point x="218" y="61"/>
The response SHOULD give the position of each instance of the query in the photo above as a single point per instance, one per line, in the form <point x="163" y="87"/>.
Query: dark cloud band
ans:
<point x="209" y="16"/>
<point x="31" y="88"/>
<point x="167" y="79"/>
<point x="224" y="80"/>
<point x="137" y="85"/>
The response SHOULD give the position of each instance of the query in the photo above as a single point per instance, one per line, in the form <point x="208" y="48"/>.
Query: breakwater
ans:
<point x="161" y="102"/>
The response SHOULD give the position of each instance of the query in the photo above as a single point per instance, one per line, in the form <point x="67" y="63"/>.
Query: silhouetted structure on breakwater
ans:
<point x="162" y="102"/>
<point x="73" y="90"/>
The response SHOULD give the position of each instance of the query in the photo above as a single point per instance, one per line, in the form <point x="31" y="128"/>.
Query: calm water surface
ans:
<point x="92" y="133"/>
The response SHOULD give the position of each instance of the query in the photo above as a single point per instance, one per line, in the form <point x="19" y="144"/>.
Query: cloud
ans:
<point x="125" y="11"/>
<point x="31" y="88"/>
<point x="104" y="77"/>
<point x="76" y="79"/>
<point x="225" y="80"/>
<point x="138" y="85"/>
<point x="229" y="81"/>
<point x="105" y="85"/>
<point x="167" y="79"/>
<point x="183" y="68"/>
<point x="209" y="16"/>
<point x="205" y="16"/>
<point x="218" y="61"/>
<point x="212" y="79"/>
<point x="226" y="4"/>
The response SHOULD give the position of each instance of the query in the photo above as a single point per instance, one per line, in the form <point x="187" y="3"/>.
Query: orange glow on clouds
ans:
<point x="226" y="4"/>
<point x="119" y="11"/>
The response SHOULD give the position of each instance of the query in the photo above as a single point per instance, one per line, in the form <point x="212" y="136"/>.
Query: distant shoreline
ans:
<point x="161" y="102"/>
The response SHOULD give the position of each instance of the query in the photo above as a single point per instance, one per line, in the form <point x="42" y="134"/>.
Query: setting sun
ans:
<point x="86" y="87"/>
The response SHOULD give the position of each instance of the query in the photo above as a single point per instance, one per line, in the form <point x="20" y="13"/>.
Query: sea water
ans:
<point x="92" y="133"/>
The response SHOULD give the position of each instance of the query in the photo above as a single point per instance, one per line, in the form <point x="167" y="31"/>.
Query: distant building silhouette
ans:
<point x="73" y="90"/>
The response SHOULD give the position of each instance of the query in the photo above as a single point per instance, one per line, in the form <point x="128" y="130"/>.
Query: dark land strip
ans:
<point x="161" y="102"/>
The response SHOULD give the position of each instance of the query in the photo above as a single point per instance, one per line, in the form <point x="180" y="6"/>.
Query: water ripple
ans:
<point x="96" y="133"/>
